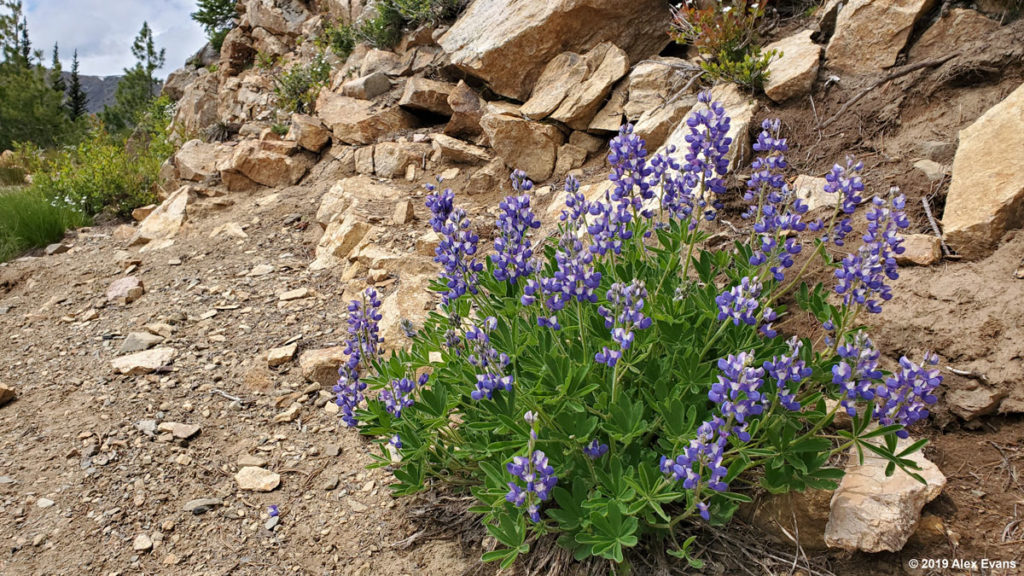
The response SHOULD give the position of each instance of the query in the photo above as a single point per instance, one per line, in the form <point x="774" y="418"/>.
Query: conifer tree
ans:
<point x="138" y="87"/>
<point x="77" y="99"/>
<point x="57" y="72"/>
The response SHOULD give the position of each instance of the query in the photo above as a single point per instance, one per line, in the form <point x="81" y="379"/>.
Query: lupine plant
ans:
<point x="621" y="381"/>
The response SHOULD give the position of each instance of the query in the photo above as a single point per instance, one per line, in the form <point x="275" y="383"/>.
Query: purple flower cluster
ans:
<point x="398" y="394"/>
<point x="492" y="363"/>
<point x="740" y="303"/>
<point x="862" y="276"/>
<point x="575" y="276"/>
<point x="538" y="478"/>
<point x="857" y="372"/>
<point x="630" y="173"/>
<point x="788" y="370"/>
<point x="623" y="315"/>
<point x="776" y="209"/>
<point x="738" y="390"/>
<point x="609" y="227"/>
<point x="706" y="163"/>
<point x="457" y="246"/>
<point x="595" y="449"/>
<point x="704" y="453"/>
<point x="846" y="182"/>
<point x="904" y="397"/>
<point x="514" y="251"/>
<point x="362" y="344"/>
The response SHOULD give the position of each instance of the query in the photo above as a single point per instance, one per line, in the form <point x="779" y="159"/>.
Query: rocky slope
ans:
<point x="157" y="419"/>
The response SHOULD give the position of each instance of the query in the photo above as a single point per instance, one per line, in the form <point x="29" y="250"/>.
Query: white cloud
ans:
<point x="103" y="30"/>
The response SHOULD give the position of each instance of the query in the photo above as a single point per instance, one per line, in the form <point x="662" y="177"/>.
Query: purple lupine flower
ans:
<point x="856" y="374"/>
<point x="397" y="395"/>
<point x="273" y="511"/>
<point x="624" y="315"/>
<point x="538" y="479"/>
<point x="627" y="155"/>
<point x="514" y="250"/>
<point x="595" y="449"/>
<point x="846" y="182"/>
<point x="705" y="160"/>
<point x="491" y="363"/>
<point x="396" y="441"/>
<point x="610" y="226"/>
<point x="362" y="344"/>
<point x="788" y="371"/>
<point x="457" y="246"/>
<point x="904" y="397"/>
<point x="738" y="390"/>
<point x="862" y="276"/>
<point x="701" y="461"/>
<point x="740" y="303"/>
<point x="774" y="206"/>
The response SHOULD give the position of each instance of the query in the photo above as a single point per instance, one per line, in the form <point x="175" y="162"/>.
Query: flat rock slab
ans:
<point x="870" y="34"/>
<point x="125" y="290"/>
<point x="6" y="394"/>
<point x="144" y="362"/>
<point x="873" y="513"/>
<point x="139" y="341"/>
<point x="322" y="365"/>
<point x="179" y="430"/>
<point x="202" y="505"/>
<point x="282" y="355"/>
<point x="986" y="193"/>
<point x="257" y="479"/>
<point x="791" y="74"/>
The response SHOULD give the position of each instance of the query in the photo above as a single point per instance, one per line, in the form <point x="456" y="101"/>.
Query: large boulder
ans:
<point x="508" y="43"/>
<point x="655" y="124"/>
<point x="197" y="160"/>
<point x="740" y="108"/>
<point x="236" y="52"/>
<point x="308" y="132"/>
<point x="164" y="222"/>
<point x="427" y="96"/>
<point x="986" y="193"/>
<point x="339" y="240"/>
<point x="792" y="72"/>
<point x="870" y="34"/>
<point x="356" y="121"/>
<point x="267" y="167"/>
<point x="457" y="151"/>
<point x="276" y="16"/>
<point x="573" y="87"/>
<point x="391" y="159"/>
<point x="873" y="512"/>
<point x="198" y="106"/>
<point x="524" y="145"/>
<point x="958" y="27"/>
<point x="654" y="82"/>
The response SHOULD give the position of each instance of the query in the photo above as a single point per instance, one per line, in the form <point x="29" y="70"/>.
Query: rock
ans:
<point x="197" y="108"/>
<point x="573" y="88"/>
<point x="427" y="96"/>
<point x="383" y="61"/>
<point x="870" y="34"/>
<point x="179" y="430"/>
<point x="144" y="362"/>
<point x="957" y="28"/>
<point x="236" y="52"/>
<point x="322" y="365"/>
<point x="142" y="543"/>
<point x="589" y="143"/>
<point x="288" y="415"/>
<point x="931" y="169"/>
<point x="139" y="341"/>
<point x="267" y="167"/>
<point x="404" y="213"/>
<point x="257" y="479"/>
<point x="871" y="512"/>
<point x="364" y="160"/>
<point x="653" y="82"/>
<point x="792" y="72"/>
<point x="467" y="108"/>
<point x="971" y="403"/>
<point x="920" y="250"/>
<point x="338" y="241"/>
<point x="812" y="191"/>
<point x="58" y="248"/>
<point x="196" y="160"/>
<point x="367" y="87"/>
<point x="141" y="213"/>
<point x="740" y="108"/>
<point x="521" y="144"/>
<point x="569" y="158"/>
<point x="165" y="222"/>
<point x="359" y="121"/>
<point x="295" y="294"/>
<point x="260" y="270"/>
<point x="45" y="503"/>
<point x="457" y="151"/>
<point x="202" y="505"/>
<point x="391" y="159"/>
<point x="657" y="123"/>
<point x="804" y="513"/>
<point x="609" y="118"/>
<point x="410" y="302"/>
<point x="488" y="178"/>
<point x="282" y="355"/>
<point x="308" y="132"/>
<point x="250" y="460"/>
<point x="125" y="290"/>
<point x="350" y="193"/>
<point x="6" y="394"/>
<point x="278" y="17"/>
<point x="986" y="193"/>
<point x="231" y="230"/>
<point x="428" y="243"/>
<point x="508" y="44"/>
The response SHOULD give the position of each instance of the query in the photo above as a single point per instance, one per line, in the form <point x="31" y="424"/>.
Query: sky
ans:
<point x="102" y="31"/>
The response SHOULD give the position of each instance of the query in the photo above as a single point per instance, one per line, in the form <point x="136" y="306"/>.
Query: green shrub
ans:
<point x="384" y="29"/>
<point x="750" y="72"/>
<point x="107" y="172"/>
<point x="416" y="12"/>
<point x="217" y="17"/>
<point x="340" y="38"/>
<point x="266" y="61"/>
<point x="299" y="86"/>
<point x="725" y="34"/>
<point x="12" y="176"/>
<point x="28" y="219"/>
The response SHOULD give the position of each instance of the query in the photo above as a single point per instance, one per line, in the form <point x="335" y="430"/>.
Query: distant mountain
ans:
<point x="99" y="89"/>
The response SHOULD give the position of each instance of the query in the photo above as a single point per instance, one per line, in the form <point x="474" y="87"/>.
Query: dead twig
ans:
<point x="887" y="78"/>
<point x="935" y="227"/>
<point x="973" y="375"/>
<point x="220" y="392"/>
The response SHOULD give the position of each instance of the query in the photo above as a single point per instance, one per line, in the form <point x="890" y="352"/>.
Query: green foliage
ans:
<point x="416" y="12"/>
<point x="266" y="61"/>
<point x="137" y="89"/>
<point x="110" y="172"/>
<point x="299" y="86"/>
<point x="750" y="72"/>
<point x="217" y="18"/>
<point x="29" y="220"/>
<point x="384" y="29"/>
<point x="339" y="37"/>
<point x="279" y="129"/>
<point x="77" y="99"/>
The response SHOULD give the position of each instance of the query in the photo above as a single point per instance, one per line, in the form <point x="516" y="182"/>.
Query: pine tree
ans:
<point x="57" y="73"/>
<point x="217" y="17"/>
<point x="138" y="87"/>
<point x="77" y="99"/>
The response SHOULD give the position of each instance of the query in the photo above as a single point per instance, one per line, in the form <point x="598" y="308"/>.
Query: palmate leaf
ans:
<point x="611" y="533"/>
